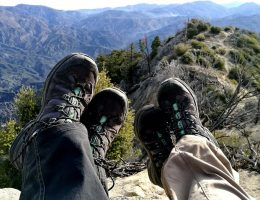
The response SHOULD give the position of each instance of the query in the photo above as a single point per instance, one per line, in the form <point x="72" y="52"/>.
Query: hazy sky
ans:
<point x="86" y="4"/>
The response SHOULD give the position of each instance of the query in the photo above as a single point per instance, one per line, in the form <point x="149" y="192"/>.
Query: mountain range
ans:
<point x="34" y="38"/>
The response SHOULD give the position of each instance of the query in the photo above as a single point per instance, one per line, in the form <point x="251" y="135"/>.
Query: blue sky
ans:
<point x="89" y="4"/>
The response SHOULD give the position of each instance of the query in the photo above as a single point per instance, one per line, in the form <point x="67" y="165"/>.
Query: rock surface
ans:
<point x="138" y="187"/>
<point x="9" y="194"/>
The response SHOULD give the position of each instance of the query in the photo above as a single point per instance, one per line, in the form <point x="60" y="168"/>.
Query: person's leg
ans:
<point x="58" y="164"/>
<point x="196" y="160"/>
<point x="103" y="118"/>
<point x="196" y="168"/>
<point x="53" y="151"/>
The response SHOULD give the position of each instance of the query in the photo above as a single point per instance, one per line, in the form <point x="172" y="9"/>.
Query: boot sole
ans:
<point x="187" y="87"/>
<point x="138" y="117"/>
<point x="119" y="93"/>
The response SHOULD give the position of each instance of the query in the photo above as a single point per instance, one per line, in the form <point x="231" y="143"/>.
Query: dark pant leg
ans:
<point x="59" y="165"/>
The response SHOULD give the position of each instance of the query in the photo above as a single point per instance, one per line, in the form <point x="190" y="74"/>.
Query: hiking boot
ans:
<point x="68" y="89"/>
<point x="103" y="118"/>
<point x="179" y="103"/>
<point x="150" y="129"/>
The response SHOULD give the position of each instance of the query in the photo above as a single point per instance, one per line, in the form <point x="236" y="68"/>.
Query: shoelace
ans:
<point x="159" y="149"/>
<point x="72" y="101"/>
<point x="96" y="142"/>
<point x="179" y="116"/>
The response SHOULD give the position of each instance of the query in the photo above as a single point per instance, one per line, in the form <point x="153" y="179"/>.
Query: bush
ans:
<point x="215" y="30"/>
<point x="191" y="32"/>
<point x="27" y="105"/>
<point x="9" y="176"/>
<point x="155" y="44"/>
<point x="202" y="26"/>
<point x="236" y="57"/>
<point x="227" y="29"/>
<point x="119" y="63"/>
<point x="208" y="53"/>
<point x="181" y="49"/>
<point x="197" y="45"/>
<point x="7" y="136"/>
<point x="202" y="61"/>
<point x="248" y="41"/>
<point x="235" y="74"/>
<point x="221" y="51"/>
<point x="195" y="27"/>
<point x="103" y="81"/>
<point x="200" y="37"/>
<point x="220" y="64"/>
<point x="187" y="58"/>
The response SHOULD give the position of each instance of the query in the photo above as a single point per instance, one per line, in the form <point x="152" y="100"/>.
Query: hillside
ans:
<point x="222" y="65"/>
<point x="34" y="38"/>
<point x="213" y="61"/>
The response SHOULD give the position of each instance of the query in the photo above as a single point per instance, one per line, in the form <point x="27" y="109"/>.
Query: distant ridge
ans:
<point x="34" y="38"/>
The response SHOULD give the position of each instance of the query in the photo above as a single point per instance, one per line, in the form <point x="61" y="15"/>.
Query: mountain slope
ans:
<point x="33" y="38"/>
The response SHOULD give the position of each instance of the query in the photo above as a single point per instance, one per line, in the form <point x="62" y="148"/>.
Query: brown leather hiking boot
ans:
<point x="68" y="89"/>
<point x="103" y="118"/>
<point x="179" y="103"/>
<point x="150" y="129"/>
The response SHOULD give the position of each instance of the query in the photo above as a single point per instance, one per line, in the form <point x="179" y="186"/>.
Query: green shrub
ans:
<point x="208" y="53"/>
<point x="119" y="63"/>
<point x="195" y="27"/>
<point x="236" y="57"/>
<point x="227" y="29"/>
<point x="155" y="44"/>
<point x="7" y="135"/>
<point x="221" y="51"/>
<point x="202" y="61"/>
<point x="181" y="49"/>
<point x="103" y="81"/>
<point x="197" y="45"/>
<point x="236" y="74"/>
<point x="202" y="26"/>
<point x="187" y="58"/>
<point x="215" y="30"/>
<point x="27" y="105"/>
<point x="220" y="64"/>
<point x="191" y="32"/>
<point x="9" y="176"/>
<point x="200" y="37"/>
<point x="248" y="41"/>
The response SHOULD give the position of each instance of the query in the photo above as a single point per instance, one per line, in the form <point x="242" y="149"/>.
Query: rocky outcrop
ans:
<point x="9" y="194"/>
<point x="139" y="187"/>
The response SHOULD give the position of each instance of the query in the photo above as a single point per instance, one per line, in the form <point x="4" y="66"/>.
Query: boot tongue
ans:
<point x="103" y="120"/>
<point x="77" y="91"/>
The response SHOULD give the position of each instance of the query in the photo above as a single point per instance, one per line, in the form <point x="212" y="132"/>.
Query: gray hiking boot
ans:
<point x="150" y="129"/>
<point x="179" y="103"/>
<point x="103" y="118"/>
<point x="68" y="89"/>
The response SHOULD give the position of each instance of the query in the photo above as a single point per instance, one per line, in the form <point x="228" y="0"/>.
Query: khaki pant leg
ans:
<point x="197" y="169"/>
